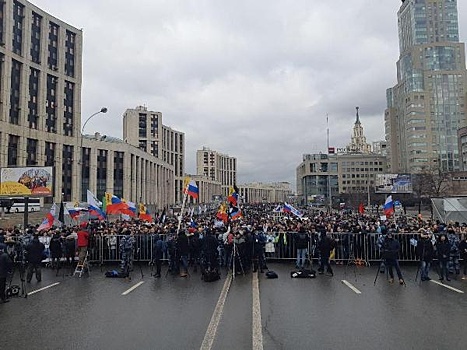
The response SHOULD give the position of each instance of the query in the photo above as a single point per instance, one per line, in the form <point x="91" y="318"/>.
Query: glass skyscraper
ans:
<point x="427" y="105"/>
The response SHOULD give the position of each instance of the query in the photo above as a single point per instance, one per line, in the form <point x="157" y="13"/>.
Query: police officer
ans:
<point x="126" y="251"/>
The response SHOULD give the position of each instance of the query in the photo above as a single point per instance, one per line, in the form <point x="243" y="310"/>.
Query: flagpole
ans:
<point x="329" y="166"/>
<point x="185" y="195"/>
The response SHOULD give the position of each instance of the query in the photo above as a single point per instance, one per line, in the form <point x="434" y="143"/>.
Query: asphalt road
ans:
<point x="63" y="312"/>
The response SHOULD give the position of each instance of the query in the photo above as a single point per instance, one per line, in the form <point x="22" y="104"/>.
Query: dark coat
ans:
<point x="425" y="250"/>
<point x="182" y="244"/>
<point x="6" y="265"/>
<point x="56" y="247"/>
<point x="159" y="247"/>
<point x="463" y="249"/>
<point x="325" y="245"/>
<point x="443" y="249"/>
<point x="390" y="248"/>
<point x="301" y="240"/>
<point x="35" y="251"/>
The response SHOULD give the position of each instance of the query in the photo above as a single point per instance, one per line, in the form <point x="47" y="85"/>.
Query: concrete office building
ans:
<point x="144" y="129"/>
<point x="208" y="189"/>
<point x="321" y="176"/>
<point x="217" y="167"/>
<point x="427" y="105"/>
<point x="352" y="170"/>
<point x="40" y="115"/>
<point x="258" y="192"/>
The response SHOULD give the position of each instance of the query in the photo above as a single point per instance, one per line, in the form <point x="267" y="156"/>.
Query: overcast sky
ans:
<point x="251" y="79"/>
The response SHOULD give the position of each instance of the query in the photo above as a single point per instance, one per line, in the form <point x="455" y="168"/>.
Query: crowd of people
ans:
<point x="207" y="244"/>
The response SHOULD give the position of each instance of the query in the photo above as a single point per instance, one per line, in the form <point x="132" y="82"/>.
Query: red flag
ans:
<point x="361" y="208"/>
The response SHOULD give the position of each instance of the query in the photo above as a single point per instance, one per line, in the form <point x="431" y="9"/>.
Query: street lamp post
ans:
<point x="102" y="110"/>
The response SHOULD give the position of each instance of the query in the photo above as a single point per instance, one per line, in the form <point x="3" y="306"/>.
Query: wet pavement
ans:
<point x="179" y="313"/>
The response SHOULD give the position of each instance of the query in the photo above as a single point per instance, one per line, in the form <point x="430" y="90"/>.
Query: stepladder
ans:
<point x="83" y="266"/>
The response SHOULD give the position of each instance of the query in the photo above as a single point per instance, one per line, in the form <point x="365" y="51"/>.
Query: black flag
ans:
<point x="61" y="213"/>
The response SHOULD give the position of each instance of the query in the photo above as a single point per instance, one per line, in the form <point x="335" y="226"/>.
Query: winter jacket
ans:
<point x="301" y="240"/>
<point x="425" y="250"/>
<point x="443" y="249"/>
<point x="35" y="251"/>
<point x="6" y="265"/>
<point x="390" y="248"/>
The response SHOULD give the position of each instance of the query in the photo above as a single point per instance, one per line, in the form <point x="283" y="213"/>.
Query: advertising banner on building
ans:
<point x="393" y="183"/>
<point x="26" y="182"/>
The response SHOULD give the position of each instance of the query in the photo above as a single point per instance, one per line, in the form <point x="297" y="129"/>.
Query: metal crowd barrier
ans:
<point x="105" y="249"/>
<point x="349" y="246"/>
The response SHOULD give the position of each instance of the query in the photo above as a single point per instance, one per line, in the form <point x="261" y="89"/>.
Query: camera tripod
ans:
<point x="15" y="290"/>
<point x="139" y="262"/>
<point x="387" y="267"/>
<point x="236" y="255"/>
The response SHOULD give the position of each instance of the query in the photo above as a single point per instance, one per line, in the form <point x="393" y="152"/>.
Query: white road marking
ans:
<point x="448" y="287"/>
<point x="351" y="286"/>
<point x="257" y="327"/>
<point x="132" y="288"/>
<point x="44" y="288"/>
<point x="210" y="335"/>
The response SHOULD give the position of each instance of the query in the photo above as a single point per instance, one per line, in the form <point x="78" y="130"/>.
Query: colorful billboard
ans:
<point x="26" y="182"/>
<point x="393" y="183"/>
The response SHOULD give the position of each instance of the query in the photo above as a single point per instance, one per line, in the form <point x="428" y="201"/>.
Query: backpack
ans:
<point x="211" y="275"/>
<point x="116" y="274"/>
<point x="271" y="274"/>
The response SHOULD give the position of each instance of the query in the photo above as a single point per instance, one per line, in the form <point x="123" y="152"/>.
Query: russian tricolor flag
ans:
<point x="288" y="208"/>
<point x="114" y="205"/>
<point x="192" y="189"/>
<point x="388" y="206"/>
<point x="130" y="210"/>
<point x="93" y="206"/>
<point x="48" y="222"/>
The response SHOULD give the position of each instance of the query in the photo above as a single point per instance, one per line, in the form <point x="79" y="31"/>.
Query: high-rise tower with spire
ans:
<point x="358" y="142"/>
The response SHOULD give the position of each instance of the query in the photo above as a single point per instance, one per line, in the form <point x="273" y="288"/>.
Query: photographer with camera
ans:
<point x="34" y="256"/>
<point x="6" y="268"/>
<point x="390" y="255"/>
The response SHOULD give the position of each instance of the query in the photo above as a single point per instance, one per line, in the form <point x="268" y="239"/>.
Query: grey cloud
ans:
<point x="261" y="73"/>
